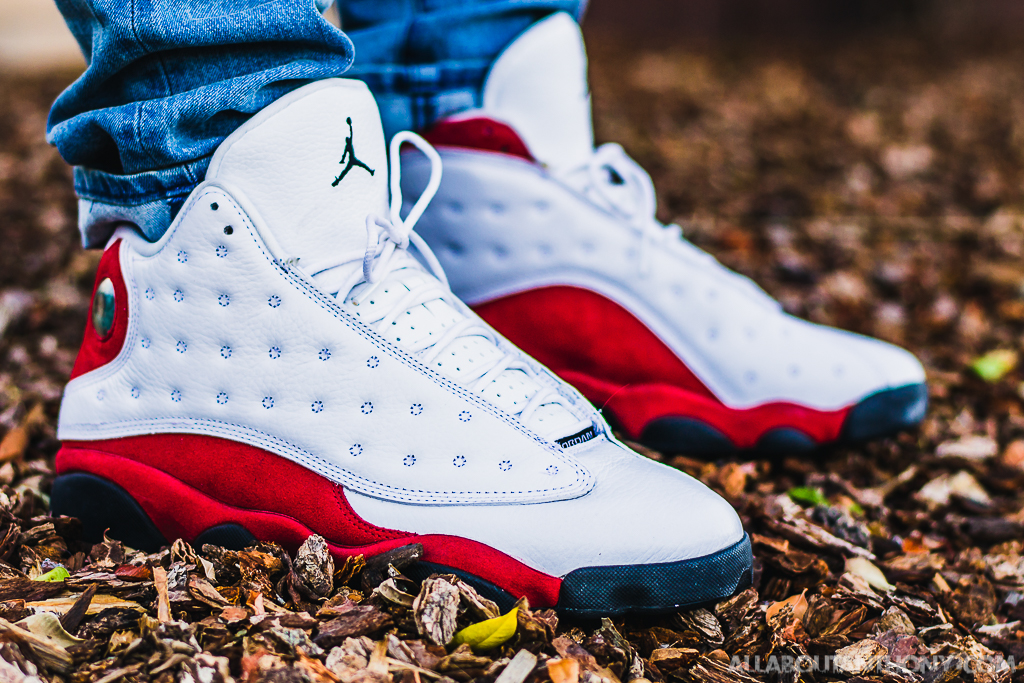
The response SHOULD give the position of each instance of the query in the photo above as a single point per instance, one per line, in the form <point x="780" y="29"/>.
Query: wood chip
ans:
<point x="163" y="602"/>
<point x="519" y="668"/>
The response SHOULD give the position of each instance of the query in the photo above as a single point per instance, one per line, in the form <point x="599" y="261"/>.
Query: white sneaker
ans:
<point x="555" y="244"/>
<point x="283" y="363"/>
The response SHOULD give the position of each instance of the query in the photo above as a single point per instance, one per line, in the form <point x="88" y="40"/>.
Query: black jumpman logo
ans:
<point x="350" y="157"/>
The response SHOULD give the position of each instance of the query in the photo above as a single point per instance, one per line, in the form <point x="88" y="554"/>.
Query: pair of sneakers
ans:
<point x="290" y="357"/>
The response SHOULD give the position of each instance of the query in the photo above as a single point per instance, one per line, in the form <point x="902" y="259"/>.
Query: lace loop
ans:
<point x="639" y="209"/>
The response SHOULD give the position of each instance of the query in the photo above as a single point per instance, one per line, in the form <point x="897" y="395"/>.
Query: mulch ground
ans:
<point x="877" y="185"/>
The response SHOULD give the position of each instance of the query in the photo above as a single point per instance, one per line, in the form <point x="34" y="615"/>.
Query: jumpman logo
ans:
<point x="349" y="156"/>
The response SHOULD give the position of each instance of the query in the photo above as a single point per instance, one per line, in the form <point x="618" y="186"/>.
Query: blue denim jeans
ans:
<point x="167" y="81"/>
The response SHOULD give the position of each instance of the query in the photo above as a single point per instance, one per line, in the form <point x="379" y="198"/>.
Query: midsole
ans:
<point x="635" y="406"/>
<point x="181" y="510"/>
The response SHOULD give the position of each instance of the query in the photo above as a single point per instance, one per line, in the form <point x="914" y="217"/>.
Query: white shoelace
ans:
<point x="622" y="187"/>
<point x="388" y="241"/>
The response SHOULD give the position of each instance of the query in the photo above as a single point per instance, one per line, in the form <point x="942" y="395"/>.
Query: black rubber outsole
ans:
<point x="588" y="592"/>
<point x="883" y="414"/>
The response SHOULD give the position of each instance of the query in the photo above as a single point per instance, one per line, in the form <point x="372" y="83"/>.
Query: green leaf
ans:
<point x="807" y="496"/>
<point x="489" y="634"/>
<point x="56" y="574"/>
<point x="994" y="365"/>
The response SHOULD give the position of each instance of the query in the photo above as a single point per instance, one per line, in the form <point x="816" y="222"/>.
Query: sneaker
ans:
<point x="555" y="244"/>
<point x="288" y="359"/>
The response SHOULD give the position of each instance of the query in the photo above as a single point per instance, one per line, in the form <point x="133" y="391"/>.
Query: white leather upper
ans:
<point x="538" y="85"/>
<point x="229" y="336"/>
<point x="639" y="512"/>
<point x="501" y="225"/>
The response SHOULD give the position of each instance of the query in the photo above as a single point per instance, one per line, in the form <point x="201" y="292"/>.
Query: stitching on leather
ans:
<point x="582" y="476"/>
<point x="276" y="445"/>
<point x="375" y="532"/>
<point x="400" y="354"/>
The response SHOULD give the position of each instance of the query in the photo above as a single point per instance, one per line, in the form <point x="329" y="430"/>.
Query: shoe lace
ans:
<point x="623" y="187"/>
<point x="388" y="244"/>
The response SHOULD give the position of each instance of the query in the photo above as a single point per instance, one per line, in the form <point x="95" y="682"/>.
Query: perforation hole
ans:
<point x="228" y="230"/>
<point x="356" y="449"/>
<point x="459" y="461"/>
<point x="268" y="402"/>
<point x="324" y="354"/>
<point x="179" y="295"/>
<point x="181" y="347"/>
<point x="416" y="408"/>
<point x="366" y="408"/>
<point x="409" y="460"/>
<point x="182" y="257"/>
<point x="176" y="396"/>
<point x="222" y="251"/>
<point x="224" y="299"/>
<point x="225" y="351"/>
<point x="505" y="465"/>
<point x="464" y="416"/>
<point x="274" y="301"/>
<point x="136" y="392"/>
<point x="318" y="406"/>
<point x="150" y="294"/>
<point x="145" y="343"/>
<point x="222" y="398"/>
<point x="372" y="362"/>
<point x="551" y="469"/>
<point x="274" y="352"/>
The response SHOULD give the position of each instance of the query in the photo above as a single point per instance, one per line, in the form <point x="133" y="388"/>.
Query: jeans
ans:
<point x="167" y="81"/>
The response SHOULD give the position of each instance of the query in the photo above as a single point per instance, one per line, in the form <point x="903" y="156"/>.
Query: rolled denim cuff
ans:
<point x="149" y="201"/>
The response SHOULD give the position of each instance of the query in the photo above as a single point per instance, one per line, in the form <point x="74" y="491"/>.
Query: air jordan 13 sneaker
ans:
<point x="288" y="359"/>
<point x="555" y="244"/>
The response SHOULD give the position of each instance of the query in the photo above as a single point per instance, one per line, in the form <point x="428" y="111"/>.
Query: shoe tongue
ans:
<point x="538" y="85"/>
<point x="313" y="164"/>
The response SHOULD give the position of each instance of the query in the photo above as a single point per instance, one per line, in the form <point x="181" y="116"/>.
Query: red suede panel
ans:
<point x="481" y="133"/>
<point x="96" y="351"/>
<point x="575" y="329"/>
<point x="182" y="510"/>
<point x="635" y="406"/>
<point x="248" y="477"/>
<point x="622" y="366"/>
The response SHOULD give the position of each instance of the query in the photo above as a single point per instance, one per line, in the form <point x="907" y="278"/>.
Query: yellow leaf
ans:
<point x="55" y="574"/>
<point x="489" y="634"/>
